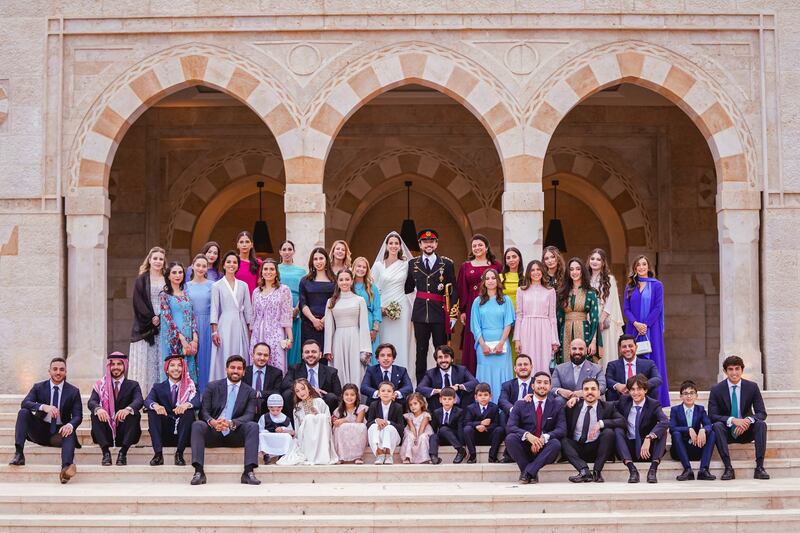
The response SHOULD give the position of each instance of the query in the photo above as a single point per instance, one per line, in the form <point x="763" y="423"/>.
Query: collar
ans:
<point x="686" y="407"/>
<point x="536" y="399"/>
<point x="448" y="371"/>
<point x="432" y="258"/>
<point x="386" y="404"/>
<point x="61" y="385"/>
<point x="173" y="382"/>
<point x="121" y="380"/>
<point x="315" y="368"/>
<point x="640" y="404"/>
<point x="232" y="383"/>
<point x="595" y="404"/>
<point x="389" y="370"/>
<point x="574" y="366"/>
<point x="446" y="412"/>
<point x="482" y="406"/>
<point x="632" y="361"/>
<point x="526" y="381"/>
<point x="734" y="384"/>
<point x="259" y="369"/>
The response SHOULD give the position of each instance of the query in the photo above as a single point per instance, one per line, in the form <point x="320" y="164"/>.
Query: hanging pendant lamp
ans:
<point x="261" y="240"/>
<point x="555" y="231"/>
<point x="408" y="231"/>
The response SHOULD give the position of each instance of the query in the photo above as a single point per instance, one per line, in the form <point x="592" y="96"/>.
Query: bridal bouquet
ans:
<point x="393" y="311"/>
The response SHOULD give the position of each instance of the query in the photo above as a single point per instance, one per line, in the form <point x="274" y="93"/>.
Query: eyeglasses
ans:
<point x="689" y="393"/>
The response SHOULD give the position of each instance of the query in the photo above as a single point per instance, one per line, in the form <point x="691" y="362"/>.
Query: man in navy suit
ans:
<point x="628" y="365"/>
<point x="535" y="429"/>
<point x="263" y="378"/>
<point x="447" y="374"/>
<point x="644" y="437"/>
<point x="171" y="407"/>
<point x="483" y="422"/>
<point x="514" y="390"/>
<point x="692" y="435"/>
<point x="738" y="414"/>
<point x="226" y="421"/>
<point x="322" y="377"/>
<point x="386" y="370"/>
<point x="447" y="423"/>
<point x="115" y="406"/>
<point x="49" y="415"/>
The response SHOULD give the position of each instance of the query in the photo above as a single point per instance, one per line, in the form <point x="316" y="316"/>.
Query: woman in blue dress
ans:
<point x="365" y="288"/>
<point x="316" y="288"/>
<point x="291" y="275"/>
<point x="178" y="326"/>
<point x="198" y="289"/>
<point x="644" y="312"/>
<point x="212" y="252"/>
<point x="491" y="319"/>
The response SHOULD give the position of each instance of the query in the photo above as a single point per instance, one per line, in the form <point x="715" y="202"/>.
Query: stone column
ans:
<point x="304" y="205"/>
<point x="523" y="213"/>
<point x="87" y="320"/>
<point x="738" y="219"/>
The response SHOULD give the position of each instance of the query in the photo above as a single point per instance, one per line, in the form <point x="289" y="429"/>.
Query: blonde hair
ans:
<point x="348" y="259"/>
<point x="145" y="266"/>
<point x="367" y="277"/>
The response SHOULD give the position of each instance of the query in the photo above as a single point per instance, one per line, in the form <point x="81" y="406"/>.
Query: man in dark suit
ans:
<point x="262" y="378"/>
<point x="535" y="430"/>
<point x="324" y="378"/>
<point x="693" y="437"/>
<point x="447" y="374"/>
<point x="628" y="365"/>
<point x="432" y="277"/>
<point x="568" y="377"/>
<point x="115" y="407"/>
<point x="519" y="388"/>
<point x="386" y="370"/>
<point x="447" y="423"/>
<point x="737" y="411"/>
<point x="590" y="432"/>
<point x="226" y="421"/>
<point x="483" y="423"/>
<point x="171" y="407"/>
<point x="644" y="438"/>
<point x="49" y="415"/>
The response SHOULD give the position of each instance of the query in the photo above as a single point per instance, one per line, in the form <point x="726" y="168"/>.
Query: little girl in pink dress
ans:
<point x="415" y="447"/>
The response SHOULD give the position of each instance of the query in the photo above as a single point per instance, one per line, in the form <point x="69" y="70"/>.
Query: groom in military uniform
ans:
<point x="434" y="278"/>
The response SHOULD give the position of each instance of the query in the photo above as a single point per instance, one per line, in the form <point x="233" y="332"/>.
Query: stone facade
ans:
<point x="97" y="166"/>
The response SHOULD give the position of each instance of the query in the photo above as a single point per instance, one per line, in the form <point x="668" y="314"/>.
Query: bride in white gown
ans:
<point x="389" y="271"/>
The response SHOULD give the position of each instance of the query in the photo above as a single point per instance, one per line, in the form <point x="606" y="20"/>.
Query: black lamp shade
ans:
<point x="261" y="240"/>
<point x="555" y="235"/>
<point x="408" y="232"/>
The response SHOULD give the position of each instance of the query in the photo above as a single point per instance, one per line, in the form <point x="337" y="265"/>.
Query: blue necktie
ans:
<point x="229" y="406"/>
<point x="259" y="381"/>
<point x="689" y="413"/>
<point x="54" y="419"/>
<point x="312" y="377"/>
<point x="637" y="436"/>
<point x="734" y="409"/>
<point x="386" y="375"/>
<point x="523" y="391"/>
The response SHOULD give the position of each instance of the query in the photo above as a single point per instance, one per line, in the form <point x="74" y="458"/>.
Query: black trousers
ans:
<point x="35" y="429"/>
<point x="128" y="432"/>
<point x="423" y="331"/>
<point x="163" y="430"/>
<point x="627" y="452"/>
<point x="449" y="435"/>
<point x="757" y="433"/>
<point x="204" y="436"/>
<point x="493" y="438"/>
<point x="527" y="462"/>
<point x="598" y="451"/>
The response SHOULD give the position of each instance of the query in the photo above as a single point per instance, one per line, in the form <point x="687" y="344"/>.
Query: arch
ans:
<point x="425" y="64"/>
<point x="167" y="72"/>
<point x="658" y="69"/>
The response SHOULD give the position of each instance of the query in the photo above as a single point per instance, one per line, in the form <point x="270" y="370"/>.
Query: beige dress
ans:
<point x="350" y="438"/>
<point x="347" y="336"/>
<point x="419" y="452"/>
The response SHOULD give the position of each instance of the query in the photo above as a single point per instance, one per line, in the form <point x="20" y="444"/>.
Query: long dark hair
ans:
<point x="337" y="292"/>
<point x="525" y="281"/>
<point x="506" y="270"/>
<point x="566" y="286"/>
<point x="484" y="292"/>
<point x="286" y="241"/>
<point x="225" y="258"/>
<point x="342" y="409"/>
<point x="206" y="247"/>
<point x="558" y="277"/>
<point x="252" y="256"/>
<point x="489" y="255"/>
<point x="168" y="285"/>
<point x="261" y="283"/>
<point x="605" y="273"/>
<point x="399" y="252"/>
<point x="312" y="272"/>
<point x="632" y="276"/>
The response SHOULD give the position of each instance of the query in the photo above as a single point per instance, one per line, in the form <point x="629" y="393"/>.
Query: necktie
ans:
<point x="538" y="431"/>
<point x="587" y="420"/>
<point x="630" y="370"/>
<point x="229" y="405"/>
<point x="689" y="413"/>
<point x="386" y="375"/>
<point x="175" y="395"/>
<point x="734" y="408"/>
<point x="54" y="419"/>
<point x="427" y="264"/>
<point x="636" y="435"/>
<point x="523" y="390"/>
<point x="447" y="380"/>
<point x="116" y="390"/>
<point x="483" y="410"/>
<point x="259" y="380"/>
<point x="446" y="419"/>
<point x="576" y="373"/>
<point x="312" y="377"/>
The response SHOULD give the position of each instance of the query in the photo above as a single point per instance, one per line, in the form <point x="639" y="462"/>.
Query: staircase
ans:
<point x="445" y="497"/>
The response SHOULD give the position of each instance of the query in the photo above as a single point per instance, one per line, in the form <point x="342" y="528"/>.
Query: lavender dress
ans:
<point x="271" y="314"/>
<point x="350" y="439"/>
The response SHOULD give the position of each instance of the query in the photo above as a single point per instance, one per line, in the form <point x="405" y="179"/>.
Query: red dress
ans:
<point x="468" y="286"/>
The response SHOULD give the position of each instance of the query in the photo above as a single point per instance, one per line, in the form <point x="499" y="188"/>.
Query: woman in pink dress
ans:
<point x="272" y="315"/>
<point x="468" y="285"/>
<point x="249" y="264"/>
<point x="536" y="331"/>
<point x="349" y="426"/>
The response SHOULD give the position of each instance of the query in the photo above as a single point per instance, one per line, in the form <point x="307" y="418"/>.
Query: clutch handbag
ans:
<point x="643" y="347"/>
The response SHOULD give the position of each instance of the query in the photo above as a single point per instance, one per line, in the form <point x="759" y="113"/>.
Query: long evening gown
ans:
<point x="291" y="276"/>
<point x="245" y="274"/>
<point x="315" y="295"/>
<point x="145" y="358"/>
<point x="536" y="327"/>
<point x="579" y="319"/>
<point x="615" y="322"/>
<point x="177" y="318"/>
<point x="468" y="283"/>
<point x="373" y="312"/>
<point x="313" y="442"/>
<point x="200" y="296"/>
<point x="231" y="311"/>
<point x="347" y="336"/>
<point x="488" y="321"/>
<point x="271" y="314"/>
<point x="391" y="283"/>
<point x="647" y="306"/>
<point x="510" y="284"/>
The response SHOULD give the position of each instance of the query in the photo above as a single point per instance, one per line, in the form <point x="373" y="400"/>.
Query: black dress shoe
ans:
<point x="534" y="479"/>
<point x="492" y="459"/>
<point x="266" y="459"/>
<point x="524" y="479"/>
<point x="435" y="460"/>
<point x="584" y="476"/>
<point x="686" y="475"/>
<point x="728" y="474"/>
<point x="506" y="459"/>
<point x="179" y="460"/>
<point x="459" y="458"/>
<point x="106" y="459"/>
<point x="199" y="478"/>
<point x="598" y="477"/>
<point x="760" y="473"/>
<point x="652" y="474"/>
<point x="472" y="459"/>
<point x="249" y="478"/>
<point x="157" y="460"/>
<point x="633" y="476"/>
<point x="122" y="459"/>
<point x="18" y="460"/>
<point x="705" y="475"/>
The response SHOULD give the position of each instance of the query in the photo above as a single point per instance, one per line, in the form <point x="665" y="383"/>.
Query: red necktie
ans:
<point x="116" y="390"/>
<point x="630" y="370"/>
<point x="538" y="431"/>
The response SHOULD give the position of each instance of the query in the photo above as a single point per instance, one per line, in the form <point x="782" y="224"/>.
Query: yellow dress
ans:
<point x="510" y="283"/>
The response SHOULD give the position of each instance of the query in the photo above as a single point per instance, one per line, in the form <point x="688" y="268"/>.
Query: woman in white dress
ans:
<point x="231" y="318"/>
<point x="611" y="322"/>
<point x="313" y="442"/>
<point x="389" y="272"/>
<point x="145" y="350"/>
<point x="348" y="346"/>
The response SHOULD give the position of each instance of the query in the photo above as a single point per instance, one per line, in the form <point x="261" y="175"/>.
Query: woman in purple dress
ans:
<point x="644" y="311"/>
<point x="272" y="315"/>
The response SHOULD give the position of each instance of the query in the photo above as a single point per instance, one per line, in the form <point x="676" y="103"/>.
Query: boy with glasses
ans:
<point x="692" y="435"/>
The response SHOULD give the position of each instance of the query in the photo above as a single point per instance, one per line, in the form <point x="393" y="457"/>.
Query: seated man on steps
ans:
<point x="645" y="436"/>
<point x="628" y="365"/>
<point x="323" y="377"/>
<point x="447" y="374"/>
<point x="514" y="390"/>
<point x="692" y="435"/>
<point x="535" y="430"/>
<point x="738" y="414"/>
<point x="447" y="423"/>
<point x="386" y="370"/>
<point x="115" y="407"/>
<point x="568" y="377"/>
<point x="590" y="432"/>
<point x="171" y="407"/>
<point x="484" y="423"/>
<point x="226" y="421"/>
<point x="263" y="378"/>
<point x="49" y="415"/>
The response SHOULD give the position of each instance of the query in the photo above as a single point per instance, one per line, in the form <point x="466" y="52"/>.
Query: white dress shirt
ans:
<point x="738" y="401"/>
<point x="385" y="409"/>
<point x="431" y="259"/>
<point x="592" y="421"/>
<point x="536" y="401"/>
<point x="632" y="419"/>
<point x="446" y="414"/>
<point x="625" y="367"/>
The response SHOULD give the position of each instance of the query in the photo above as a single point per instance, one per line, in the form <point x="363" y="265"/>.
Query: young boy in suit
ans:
<point x="447" y="424"/>
<point x="483" y="423"/>
<point x="692" y="434"/>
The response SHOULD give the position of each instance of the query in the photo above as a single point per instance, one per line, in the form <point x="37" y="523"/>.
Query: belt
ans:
<point x="430" y="296"/>
<point x="574" y="316"/>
